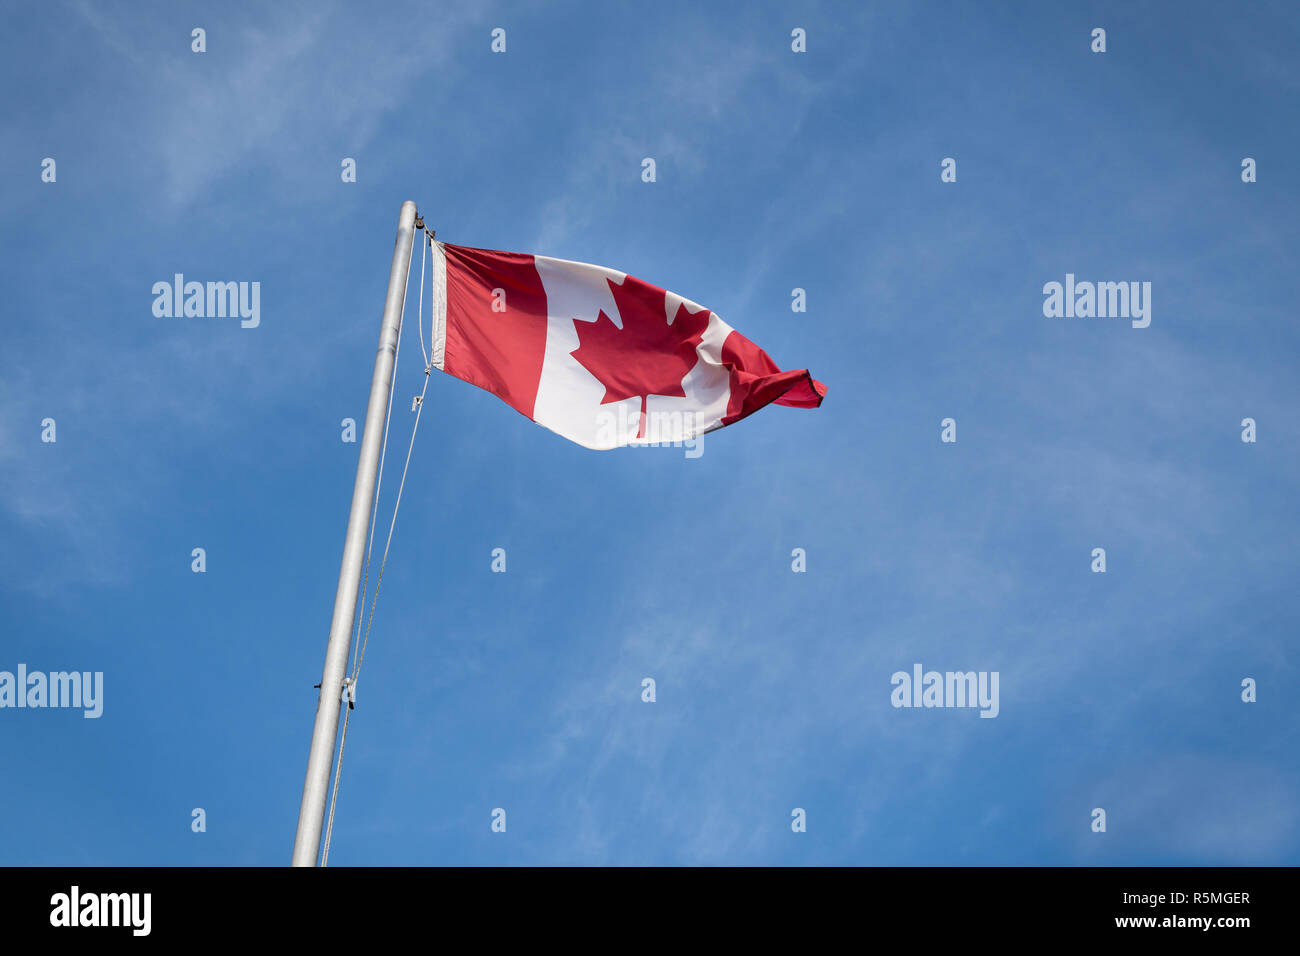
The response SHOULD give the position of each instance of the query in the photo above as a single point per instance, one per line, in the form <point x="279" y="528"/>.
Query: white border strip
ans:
<point x="438" y="346"/>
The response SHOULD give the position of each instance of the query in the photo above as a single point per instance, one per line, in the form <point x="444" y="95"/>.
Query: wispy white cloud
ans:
<point x="1195" y="808"/>
<point x="295" y="91"/>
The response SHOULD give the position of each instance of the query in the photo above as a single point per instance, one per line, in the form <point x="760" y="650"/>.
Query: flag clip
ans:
<point x="417" y="399"/>
<point x="350" y="692"/>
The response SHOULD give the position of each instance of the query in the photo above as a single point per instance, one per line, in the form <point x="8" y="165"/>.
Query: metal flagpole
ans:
<point x="315" y="790"/>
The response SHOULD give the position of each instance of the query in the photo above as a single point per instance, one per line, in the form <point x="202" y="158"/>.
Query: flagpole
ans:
<point x="320" y="761"/>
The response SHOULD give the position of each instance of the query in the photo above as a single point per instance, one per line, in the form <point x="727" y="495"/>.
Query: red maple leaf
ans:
<point x="648" y="356"/>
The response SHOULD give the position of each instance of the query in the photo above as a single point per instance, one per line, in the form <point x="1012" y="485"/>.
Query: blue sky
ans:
<point x="776" y="170"/>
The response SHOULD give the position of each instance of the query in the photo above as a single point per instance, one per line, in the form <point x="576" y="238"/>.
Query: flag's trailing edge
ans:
<point x="596" y="355"/>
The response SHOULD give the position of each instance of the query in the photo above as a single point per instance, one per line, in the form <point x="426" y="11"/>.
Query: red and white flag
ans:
<point x="596" y="355"/>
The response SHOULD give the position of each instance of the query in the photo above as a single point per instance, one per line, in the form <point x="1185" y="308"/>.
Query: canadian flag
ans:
<point x="596" y="355"/>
